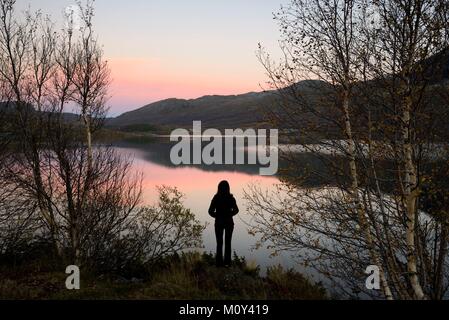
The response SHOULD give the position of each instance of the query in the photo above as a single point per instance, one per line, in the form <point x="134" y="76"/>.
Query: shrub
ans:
<point x="154" y="233"/>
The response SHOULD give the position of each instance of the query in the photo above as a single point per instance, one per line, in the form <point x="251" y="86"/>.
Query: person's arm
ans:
<point x="212" y="209"/>
<point x="235" y="209"/>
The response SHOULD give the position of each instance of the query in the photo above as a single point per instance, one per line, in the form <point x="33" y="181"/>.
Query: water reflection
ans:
<point x="157" y="151"/>
<point x="198" y="183"/>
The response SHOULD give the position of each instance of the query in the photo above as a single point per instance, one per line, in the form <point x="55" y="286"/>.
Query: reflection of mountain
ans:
<point x="158" y="152"/>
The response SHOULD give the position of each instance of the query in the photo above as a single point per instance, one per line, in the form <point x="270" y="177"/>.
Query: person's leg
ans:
<point x="219" y="236"/>
<point x="228" y="247"/>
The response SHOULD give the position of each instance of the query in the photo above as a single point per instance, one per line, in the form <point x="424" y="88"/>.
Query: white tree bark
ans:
<point x="410" y="198"/>
<point x="363" y="222"/>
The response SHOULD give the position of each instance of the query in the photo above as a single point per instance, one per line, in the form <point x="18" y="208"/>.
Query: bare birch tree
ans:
<point x="55" y="184"/>
<point x="91" y="76"/>
<point x="347" y="117"/>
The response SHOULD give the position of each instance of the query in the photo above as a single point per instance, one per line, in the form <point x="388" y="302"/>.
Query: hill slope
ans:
<point x="245" y="110"/>
<point x="213" y="111"/>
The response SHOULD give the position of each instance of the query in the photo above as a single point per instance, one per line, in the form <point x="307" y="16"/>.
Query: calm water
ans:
<point x="199" y="184"/>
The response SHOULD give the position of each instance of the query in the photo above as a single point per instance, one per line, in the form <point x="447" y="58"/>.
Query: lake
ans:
<point x="199" y="184"/>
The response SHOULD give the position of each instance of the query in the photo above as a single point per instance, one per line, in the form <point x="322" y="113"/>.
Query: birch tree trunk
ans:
<point x="364" y="225"/>
<point x="88" y="141"/>
<point x="410" y="198"/>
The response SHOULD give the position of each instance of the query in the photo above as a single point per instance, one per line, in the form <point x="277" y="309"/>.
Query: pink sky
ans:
<point x="161" y="49"/>
<point x="137" y="82"/>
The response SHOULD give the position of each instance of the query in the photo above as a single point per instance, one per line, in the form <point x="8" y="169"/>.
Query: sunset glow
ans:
<point x="178" y="49"/>
<point x="137" y="82"/>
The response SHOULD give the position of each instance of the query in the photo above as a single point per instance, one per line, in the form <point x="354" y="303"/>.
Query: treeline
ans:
<point x="57" y="190"/>
<point x="384" y="93"/>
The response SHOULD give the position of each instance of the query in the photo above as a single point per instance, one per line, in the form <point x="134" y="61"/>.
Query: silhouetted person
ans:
<point x="223" y="207"/>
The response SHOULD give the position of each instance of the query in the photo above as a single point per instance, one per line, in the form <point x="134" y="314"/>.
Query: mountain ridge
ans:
<point x="213" y="110"/>
<point x="217" y="111"/>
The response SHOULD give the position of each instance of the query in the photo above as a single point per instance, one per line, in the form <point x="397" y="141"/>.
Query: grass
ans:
<point x="189" y="276"/>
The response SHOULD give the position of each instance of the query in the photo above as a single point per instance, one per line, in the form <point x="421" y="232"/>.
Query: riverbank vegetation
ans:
<point x="186" y="276"/>
<point x="381" y="68"/>
<point x="68" y="199"/>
